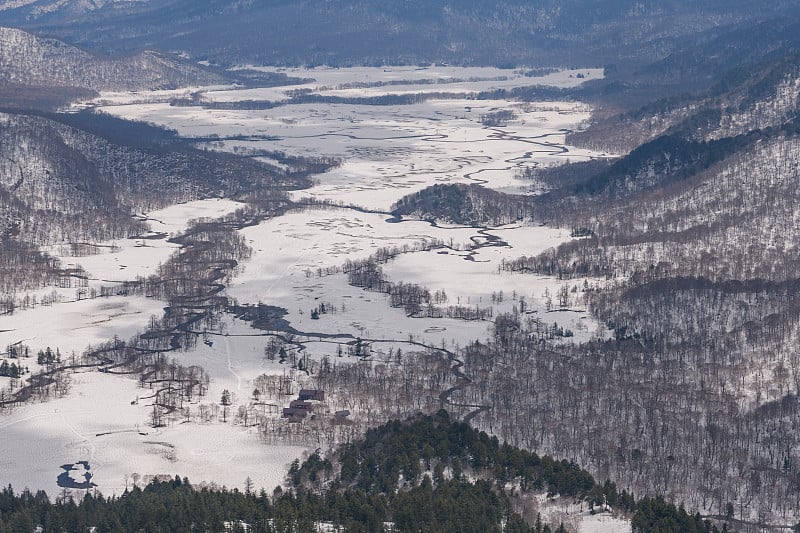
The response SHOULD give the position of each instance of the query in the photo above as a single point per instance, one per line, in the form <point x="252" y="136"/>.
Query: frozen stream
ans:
<point x="388" y="151"/>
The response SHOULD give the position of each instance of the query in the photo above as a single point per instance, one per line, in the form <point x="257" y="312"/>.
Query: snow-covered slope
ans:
<point x="29" y="60"/>
<point x="752" y="97"/>
<point x="36" y="8"/>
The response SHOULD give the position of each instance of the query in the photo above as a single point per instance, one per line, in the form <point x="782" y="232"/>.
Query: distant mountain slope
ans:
<point x="387" y="31"/>
<point x="43" y="8"/>
<point x="61" y="182"/>
<point x="765" y="94"/>
<point x="27" y="60"/>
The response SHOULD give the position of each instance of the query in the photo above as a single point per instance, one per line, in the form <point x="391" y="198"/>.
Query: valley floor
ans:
<point x="385" y="152"/>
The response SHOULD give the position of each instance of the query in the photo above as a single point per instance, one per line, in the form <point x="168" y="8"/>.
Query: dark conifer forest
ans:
<point x="358" y="491"/>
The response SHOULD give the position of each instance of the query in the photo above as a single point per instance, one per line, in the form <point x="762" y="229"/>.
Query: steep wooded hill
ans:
<point x="466" y="204"/>
<point x="711" y="191"/>
<point x="691" y="239"/>
<point x="748" y="97"/>
<point x="56" y="170"/>
<point x="27" y="60"/>
<point x="81" y="177"/>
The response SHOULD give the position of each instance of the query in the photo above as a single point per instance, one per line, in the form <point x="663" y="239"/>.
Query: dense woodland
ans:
<point x="467" y="204"/>
<point x="692" y="236"/>
<point x="426" y="474"/>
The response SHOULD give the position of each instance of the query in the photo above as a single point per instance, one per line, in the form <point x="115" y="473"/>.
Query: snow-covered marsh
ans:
<point x="603" y="523"/>
<point x="291" y="255"/>
<point x="74" y="320"/>
<point x="125" y="259"/>
<point x="164" y="95"/>
<point x="378" y="81"/>
<point x="296" y="245"/>
<point x="71" y="326"/>
<point x="386" y="152"/>
<point x="389" y="151"/>
<point x="103" y="421"/>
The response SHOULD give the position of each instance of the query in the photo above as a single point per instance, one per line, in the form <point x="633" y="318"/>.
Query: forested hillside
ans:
<point x="464" y="204"/>
<point x="691" y="236"/>
<point x="79" y="178"/>
<point x="750" y="97"/>
<point x="426" y="474"/>
<point x="508" y="32"/>
<point x="27" y="60"/>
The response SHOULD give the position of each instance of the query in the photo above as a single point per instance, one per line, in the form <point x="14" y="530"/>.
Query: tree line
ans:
<point x="457" y="480"/>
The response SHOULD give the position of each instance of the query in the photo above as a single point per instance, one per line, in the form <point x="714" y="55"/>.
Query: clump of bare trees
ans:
<point x="414" y="299"/>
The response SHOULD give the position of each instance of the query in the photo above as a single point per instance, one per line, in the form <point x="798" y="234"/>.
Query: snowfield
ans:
<point x="386" y="152"/>
<point x="389" y="151"/>
<point x="103" y="421"/>
<point x="75" y="323"/>
<point x="370" y="81"/>
<point x="604" y="523"/>
<point x="290" y="252"/>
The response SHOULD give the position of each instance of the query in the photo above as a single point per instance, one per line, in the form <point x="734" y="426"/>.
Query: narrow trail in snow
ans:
<point x="230" y="366"/>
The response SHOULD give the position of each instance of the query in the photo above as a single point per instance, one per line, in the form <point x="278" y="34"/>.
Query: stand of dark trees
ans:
<point x="358" y="489"/>
<point x="464" y="204"/>
<point x="413" y="298"/>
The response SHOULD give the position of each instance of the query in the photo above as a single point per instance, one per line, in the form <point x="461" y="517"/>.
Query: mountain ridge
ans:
<point x="510" y="32"/>
<point x="28" y="60"/>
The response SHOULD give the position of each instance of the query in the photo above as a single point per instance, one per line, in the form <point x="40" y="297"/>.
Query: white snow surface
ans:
<point x="71" y="326"/>
<point x="379" y="81"/>
<point x="128" y="258"/>
<point x="604" y="523"/>
<point x="394" y="150"/>
<point x="97" y="423"/>
<point x="288" y="251"/>
<point x="386" y="153"/>
<point x="75" y="324"/>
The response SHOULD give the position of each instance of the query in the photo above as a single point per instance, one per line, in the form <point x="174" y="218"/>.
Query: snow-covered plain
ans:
<point x="386" y="152"/>
<point x="389" y="150"/>
<point x="98" y="423"/>
<point x="128" y="258"/>
<point x="290" y="250"/>
<point x="393" y="150"/>
<point x="604" y="523"/>
<point x="73" y="323"/>
<point x="370" y="81"/>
